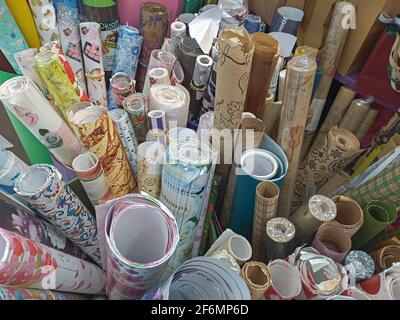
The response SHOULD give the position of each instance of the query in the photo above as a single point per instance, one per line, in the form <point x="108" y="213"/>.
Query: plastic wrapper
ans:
<point x="356" y="114"/>
<point x="178" y="31"/>
<point x="157" y="120"/>
<point x="136" y="106"/>
<point x="279" y="234"/>
<point x="257" y="278"/>
<point x="45" y="18"/>
<point x="10" y="293"/>
<point x="367" y="124"/>
<point x="359" y="265"/>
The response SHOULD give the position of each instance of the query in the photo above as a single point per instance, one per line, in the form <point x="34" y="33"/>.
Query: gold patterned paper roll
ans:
<point x="99" y="135"/>
<point x="257" y="277"/>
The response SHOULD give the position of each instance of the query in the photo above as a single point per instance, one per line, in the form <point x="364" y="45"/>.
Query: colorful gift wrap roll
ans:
<point x="89" y="171"/>
<point x="285" y="281"/>
<point x="127" y="135"/>
<point x="359" y="264"/>
<point x="174" y="100"/>
<point x="21" y="96"/>
<point x="287" y="19"/>
<point x="94" y="62"/>
<point x="178" y="31"/>
<point x="136" y="106"/>
<point x="26" y="263"/>
<point x="53" y="74"/>
<point x="98" y="134"/>
<point x="257" y="278"/>
<point x="377" y="216"/>
<point x="105" y="13"/>
<point x="185" y="177"/>
<point x="70" y="39"/>
<point x="45" y="18"/>
<point x="150" y="159"/>
<point x="10" y="293"/>
<point x="296" y="103"/>
<point x="126" y="56"/>
<point x="141" y="236"/>
<point x="265" y="59"/>
<point x="385" y="257"/>
<point x="157" y="120"/>
<point x="51" y="197"/>
<point x="11" y="39"/>
<point x="279" y="234"/>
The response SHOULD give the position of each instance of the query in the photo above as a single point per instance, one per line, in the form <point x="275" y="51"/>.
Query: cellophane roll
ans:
<point x="122" y="85"/>
<point x="385" y="257"/>
<point x="23" y="98"/>
<point x="91" y="174"/>
<point x="98" y="134"/>
<point x="70" y="40"/>
<point x="92" y="51"/>
<point x="267" y="195"/>
<point x="235" y="53"/>
<point x="174" y="100"/>
<point x="296" y="103"/>
<point x="334" y="183"/>
<point x="26" y="263"/>
<point x="136" y="106"/>
<point x="53" y="74"/>
<point x="265" y="58"/>
<point x="185" y="177"/>
<point x="126" y="55"/>
<point x="257" y="277"/>
<point x="327" y="158"/>
<point x="11" y="39"/>
<point x="150" y="159"/>
<point x="51" y="197"/>
<point x="11" y="293"/>
<point x="356" y="115"/>
<point x="127" y="136"/>
<point x="141" y="237"/>
<point x="45" y="18"/>
<point x="178" y="31"/>
<point x="367" y="124"/>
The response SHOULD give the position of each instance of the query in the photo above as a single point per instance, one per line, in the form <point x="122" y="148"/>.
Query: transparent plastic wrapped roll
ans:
<point x="280" y="232"/>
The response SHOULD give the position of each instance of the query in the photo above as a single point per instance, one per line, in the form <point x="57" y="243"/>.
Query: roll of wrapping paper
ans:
<point x="94" y="62"/>
<point x="126" y="55"/>
<point x="377" y="216"/>
<point x="89" y="171"/>
<point x="279" y="234"/>
<point x="355" y="115"/>
<point x="98" y="134"/>
<point x="41" y="186"/>
<point x="53" y="74"/>
<point x="209" y="96"/>
<point x="253" y="23"/>
<point x="188" y="52"/>
<point x="367" y="124"/>
<point x="385" y="257"/>
<point x="327" y="158"/>
<point x="178" y="31"/>
<point x="257" y="278"/>
<point x="136" y="106"/>
<point x="271" y="115"/>
<point x="267" y="195"/>
<point x="122" y="86"/>
<point x="11" y="38"/>
<point x="174" y="100"/>
<point x="25" y="101"/>
<point x="157" y="76"/>
<point x="296" y="101"/>
<point x="45" y="18"/>
<point x="349" y="217"/>
<point x="184" y="179"/>
<point x="150" y="158"/>
<point x="329" y="57"/>
<point x="311" y="52"/>
<point x="158" y="135"/>
<point x="333" y="242"/>
<point x="310" y="217"/>
<point x="334" y="183"/>
<point x="70" y="40"/>
<point x="265" y="59"/>
<point x="10" y="293"/>
<point x="191" y="6"/>
<point x="26" y="263"/>
<point x="157" y="120"/>
<point x="105" y="13"/>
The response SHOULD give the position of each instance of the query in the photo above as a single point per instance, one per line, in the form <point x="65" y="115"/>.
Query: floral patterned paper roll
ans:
<point x="44" y="14"/>
<point x="51" y="197"/>
<point x="10" y="293"/>
<point x="21" y="96"/>
<point x="99" y="135"/>
<point x="26" y="263"/>
<point x="136" y="106"/>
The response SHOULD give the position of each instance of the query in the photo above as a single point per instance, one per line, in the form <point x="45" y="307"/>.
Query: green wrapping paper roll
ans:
<point x="191" y="6"/>
<point x="377" y="216"/>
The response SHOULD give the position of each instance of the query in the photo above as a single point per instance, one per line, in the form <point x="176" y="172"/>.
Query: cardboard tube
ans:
<point x="257" y="278"/>
<point x="385" y="257"/>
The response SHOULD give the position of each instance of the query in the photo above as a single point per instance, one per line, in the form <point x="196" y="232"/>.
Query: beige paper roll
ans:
<point x="334" y="183"/>
<point x="355" y="115"/>
<point x="267" y="195"/>
<point x="367" y="123"/>
<point x="326" y="159"/>
<point x="257" y="277"/>
<point x="298" y="90"/>
<point x="385" y="257"/>
<point x="271" y="115"/>
<point x="235" y="52"/>
<point x="393" y="143"/>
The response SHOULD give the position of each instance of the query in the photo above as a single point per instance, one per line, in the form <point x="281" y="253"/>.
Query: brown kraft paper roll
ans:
<point x="385" y="257"/>
<point x="271" y="115"/>
<point x="334" y="183"/>
<point x="257" y="278"/>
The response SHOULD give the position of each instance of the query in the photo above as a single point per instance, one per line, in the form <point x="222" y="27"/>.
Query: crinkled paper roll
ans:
<point x="185" y="177"/>
<point x="94" y="62"/>
<point x="257" y="278"/>
<point x="136" y="106"/>
<point x="25" y="101"/>
<point x="44" y="14"/>
<point x="10" y="293"/>
<point x="141" y="236"/>
<point x="52" y="198"/>
<point x="265" y="58"/>
<point x="89" y="171"/>
<point x="235" y="53"/>
<point x="99" y="135"/>
<point x="296" y="103"/>
<point x="26" y="263"/>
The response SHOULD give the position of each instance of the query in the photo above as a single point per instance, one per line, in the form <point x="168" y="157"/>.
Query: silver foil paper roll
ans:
<point x="280" y="232"/>
<point x="360" y="265"/>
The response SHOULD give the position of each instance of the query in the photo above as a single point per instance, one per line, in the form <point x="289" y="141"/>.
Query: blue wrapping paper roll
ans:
<point x="11" y="38"/>
<point x="271" y="158"/>
<point x="127" y="55"/>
